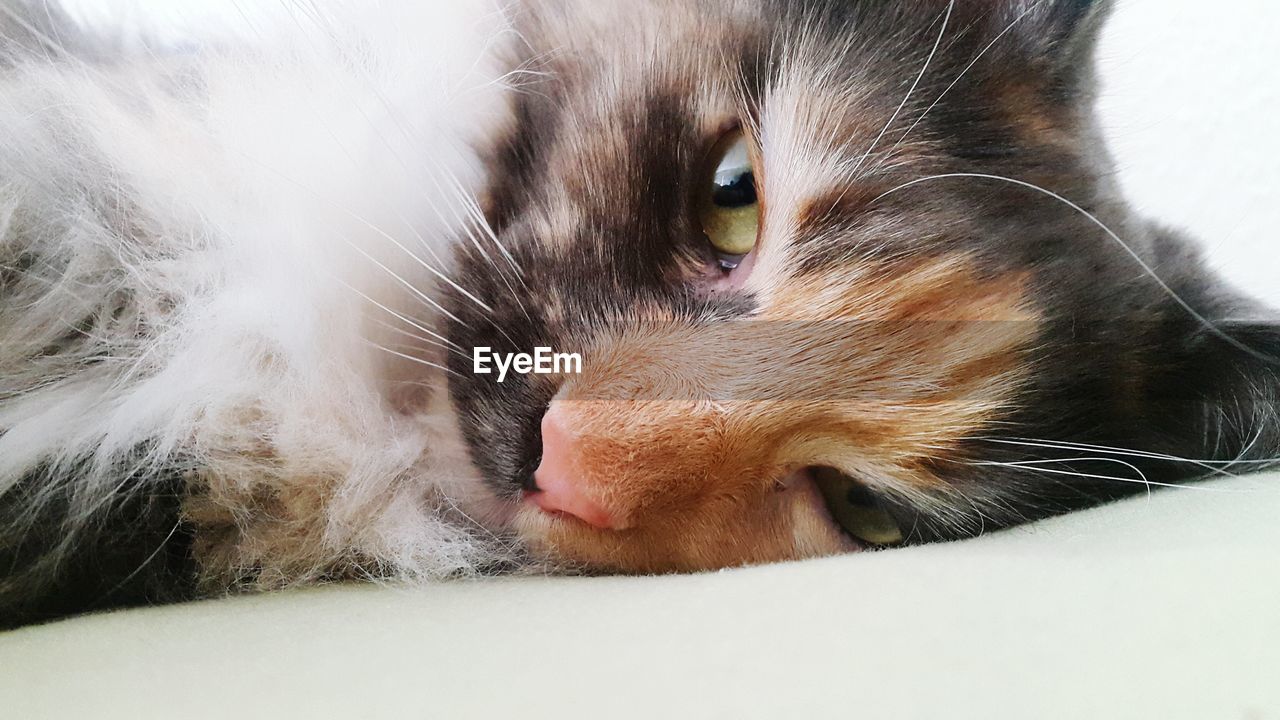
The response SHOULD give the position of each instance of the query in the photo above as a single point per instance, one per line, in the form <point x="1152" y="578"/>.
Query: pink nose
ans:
<point x="559" y="479"/>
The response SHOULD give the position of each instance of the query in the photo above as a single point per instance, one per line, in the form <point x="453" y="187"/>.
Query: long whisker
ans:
<point x="426" y="266"/>
<point x="1106" y="449"/>
<point x="420" y="361"/>
<point x="928" y="61"/>
<point x="420" y="338"/>
<point x="408" y="285"/>
<point x="404" y="319"/>
<point x="1215" y="468"/>
<point x="384" y="234"/>
<point x="421" y="295"/>
<point x="1009" y="28"/>
<point x="316" y="17"/>
<point x="474" y="211"/>
<point x="478" y="221"/>
<point x="1244" y="452"/>
<point x="1058" y="461"/>
<point x="1214" y="329"/>
<point x="1091" y="476"/>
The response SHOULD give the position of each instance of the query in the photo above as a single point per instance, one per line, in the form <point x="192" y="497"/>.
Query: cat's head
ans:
<point x="841" y="274"/>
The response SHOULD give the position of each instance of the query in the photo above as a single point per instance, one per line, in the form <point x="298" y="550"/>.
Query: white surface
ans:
<point x="1155" y="608"/>
<point x="1191" y="98"/>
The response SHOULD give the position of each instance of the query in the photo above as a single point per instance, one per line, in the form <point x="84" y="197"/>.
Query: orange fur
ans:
<point x="688" y="431"/>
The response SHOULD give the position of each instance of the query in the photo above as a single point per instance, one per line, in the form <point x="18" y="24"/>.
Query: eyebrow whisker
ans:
<point x="946" y="20"/>
<point x="1009" y="28"/>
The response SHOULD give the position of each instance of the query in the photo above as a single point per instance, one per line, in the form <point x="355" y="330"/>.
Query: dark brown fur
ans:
<point x="909" y="335"/>
<point x="926" y="336"/>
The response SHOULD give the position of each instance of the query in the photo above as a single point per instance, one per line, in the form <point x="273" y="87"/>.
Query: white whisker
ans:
<point x="1111" y="233"/>
<point x="1009" y="28"/>
<point x="411" y="358"/>
<point x="315" y="16"/>
<point x="478" y="221"/>
<point x="473" y="210"/>
<point x="384" y="234"/>
<point x="420" y="338"/>
<point x="427" y="266"/>
<point x="1104" y="449"/>
<point x="1058" y="461"/>
<point x="928" y="61"/>
<point x="408" y="285"/>
<point x="1090" y="476"/>
<point x="404" y="319"/>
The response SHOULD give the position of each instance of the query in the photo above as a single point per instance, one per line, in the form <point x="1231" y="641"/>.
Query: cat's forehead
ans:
<point x="632" y="97"/>
<point x="662" y="79"/>
<point x="604" y="65"/>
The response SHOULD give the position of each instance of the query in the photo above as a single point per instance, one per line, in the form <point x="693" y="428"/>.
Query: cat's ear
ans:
<point x="1057" y="35"/>
<point x="1055" y="21"/>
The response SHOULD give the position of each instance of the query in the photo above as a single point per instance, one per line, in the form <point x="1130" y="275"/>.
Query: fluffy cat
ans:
<point x="841" y="274"/>
<point x="203" y="255"/>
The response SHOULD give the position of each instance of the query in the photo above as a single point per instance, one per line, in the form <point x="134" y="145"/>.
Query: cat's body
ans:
<point x="240" y="294"/>
<point x="192" y="248"/>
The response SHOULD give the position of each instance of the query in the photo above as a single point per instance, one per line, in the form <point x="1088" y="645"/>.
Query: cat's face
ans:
<point x="797" y="340"/>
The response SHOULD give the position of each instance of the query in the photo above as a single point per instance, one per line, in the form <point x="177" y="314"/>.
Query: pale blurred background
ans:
<point x="1190" y="101"/>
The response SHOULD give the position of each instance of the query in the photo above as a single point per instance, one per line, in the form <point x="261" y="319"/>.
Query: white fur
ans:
<point x="240" y="212"/>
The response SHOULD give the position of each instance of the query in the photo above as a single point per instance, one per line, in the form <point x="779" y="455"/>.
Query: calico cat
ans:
<point x="841" y="275"/>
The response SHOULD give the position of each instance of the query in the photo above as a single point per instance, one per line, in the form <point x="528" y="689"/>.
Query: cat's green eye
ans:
<point x="730" y="211"/>
<point x="856" y="509"/>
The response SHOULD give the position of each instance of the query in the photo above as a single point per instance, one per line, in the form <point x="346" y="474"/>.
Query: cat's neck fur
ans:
<point x="204" y="263"/>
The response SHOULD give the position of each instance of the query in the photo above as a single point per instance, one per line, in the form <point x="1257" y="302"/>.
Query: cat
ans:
<point x="841" y="276"/>
<point x="210" y="255"/>
<point x="933" y="315"/>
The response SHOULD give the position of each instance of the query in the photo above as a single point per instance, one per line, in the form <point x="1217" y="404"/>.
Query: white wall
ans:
<point x="175" y="18"/>
<point x="1191" y="103"/>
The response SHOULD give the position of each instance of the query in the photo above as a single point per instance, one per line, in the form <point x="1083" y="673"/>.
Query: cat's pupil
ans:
<point x="739" y="192"/>
<point x="861" y="496"/>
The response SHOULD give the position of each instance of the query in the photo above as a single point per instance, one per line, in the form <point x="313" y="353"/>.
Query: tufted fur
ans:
<point x="949" y="302"/>
<point x="196" y="253"/>
<point x="239" y="290"/>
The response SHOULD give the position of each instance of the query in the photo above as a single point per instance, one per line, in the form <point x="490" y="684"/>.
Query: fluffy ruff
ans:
<point x="220" y="267"/>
